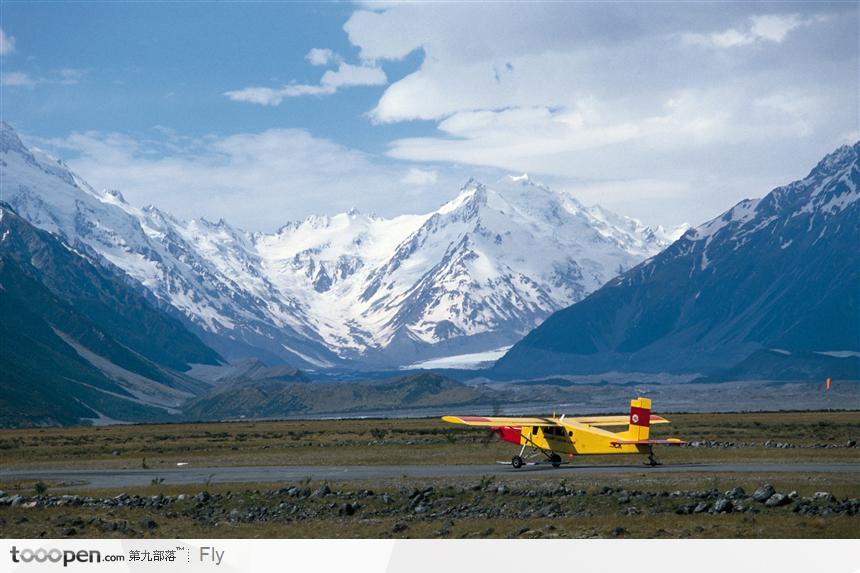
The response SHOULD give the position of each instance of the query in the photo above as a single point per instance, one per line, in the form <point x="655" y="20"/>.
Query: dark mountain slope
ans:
<point x="779" y="272"/>
<point x="272" y="399"/>
<point x="78" y="341"/>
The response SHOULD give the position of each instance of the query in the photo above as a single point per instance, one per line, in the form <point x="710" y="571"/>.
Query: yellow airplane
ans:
<point x="577" y="436"/>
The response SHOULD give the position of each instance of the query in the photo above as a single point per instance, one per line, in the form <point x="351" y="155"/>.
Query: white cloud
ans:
<point x="321" y="56"/>
<point x="420" y="177"/>
<point x="349" y="75"/>
<point x="258" y="181"/>
<point x="63" y="77"/>
<point x="69" y="76"/>
<point x="17" y="79"/>
<point x="345" y="75"/>
<point x="613" y="93"/>
<point x="274" y="96"/>
<point x="7" y="43"/>
<point x="760" y="28"/>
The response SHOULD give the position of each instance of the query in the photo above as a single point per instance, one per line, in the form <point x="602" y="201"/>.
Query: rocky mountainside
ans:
<point x="79" y="342"/>
<point x="781" y="272"/>
<point x="351" y="290"/>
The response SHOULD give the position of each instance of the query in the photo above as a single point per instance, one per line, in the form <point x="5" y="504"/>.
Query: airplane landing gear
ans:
<point x="517" y="462"/>
<point x="555" y="460"/>
<point x="652" y="461"/>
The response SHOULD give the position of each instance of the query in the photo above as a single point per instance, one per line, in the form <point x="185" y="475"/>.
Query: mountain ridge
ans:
<point x="776" y="272"/>
<point x="348" y="290"/>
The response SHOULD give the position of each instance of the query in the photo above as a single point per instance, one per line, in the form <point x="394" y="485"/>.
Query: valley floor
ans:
<point x="574" y="501"/>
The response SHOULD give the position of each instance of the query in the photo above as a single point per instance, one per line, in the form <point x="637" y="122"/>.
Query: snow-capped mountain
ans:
<point x="778" y="274"/>
<point x="475" y="275"/>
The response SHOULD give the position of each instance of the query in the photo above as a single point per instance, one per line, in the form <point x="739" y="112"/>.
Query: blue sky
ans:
<point x="265" y="112"/>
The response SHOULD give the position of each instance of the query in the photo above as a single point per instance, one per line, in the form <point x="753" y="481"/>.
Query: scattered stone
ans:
<point x="763" y="493"/>
<point x="701" y="507"/>
<point x="203" y="496"/>
<point x="777" y="499"/>
<point x="822" y="495"/>
<point x="69" y="531"/>
<point x="148" y="523"/>
<point x="792" y="494"/>
<point x="850" y="443"/>
<point x="323" y="491"/>
<point x="618" y="532"/>
<point x="723" y="505"/>
<point x="736" y="493"/>
<point x="399" y="527"/>
<point x="346" y="509"/>
<point x="502" y="489"/>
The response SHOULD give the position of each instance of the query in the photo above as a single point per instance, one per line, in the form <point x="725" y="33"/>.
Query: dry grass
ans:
<point x="410" y="441"/>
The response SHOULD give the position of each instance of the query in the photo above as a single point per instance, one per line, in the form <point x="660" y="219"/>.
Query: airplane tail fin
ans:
<point x="640" y="419"/>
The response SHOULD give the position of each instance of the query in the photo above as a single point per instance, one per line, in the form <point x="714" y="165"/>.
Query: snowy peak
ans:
<point x="472" y="276"/>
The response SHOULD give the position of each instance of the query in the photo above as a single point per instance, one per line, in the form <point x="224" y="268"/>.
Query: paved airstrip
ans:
<point x="119" y="478"/>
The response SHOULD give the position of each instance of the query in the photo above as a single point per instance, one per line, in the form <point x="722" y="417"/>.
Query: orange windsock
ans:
<point x="827" y="384"/>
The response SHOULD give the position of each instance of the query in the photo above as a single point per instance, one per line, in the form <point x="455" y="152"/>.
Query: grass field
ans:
<point x="407" y="441"/>
<point x="647" y="504"/>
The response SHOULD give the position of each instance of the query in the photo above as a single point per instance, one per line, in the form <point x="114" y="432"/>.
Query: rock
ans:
<point x="763" y="493"/>
<point x="701" y="507"/>
<point x="69" y="531"/>
<point x="346" y="509"/>
<point x="16" y="500"/>
<point x="618" y="531"/>
<point x="792" y="494"/>
<point x="203" y="497"/>
<point x="234" y="515"/>
<point x="502" y="489"/>
<point x="723" y="505"/>
<point x="850" y="444"/>
<point x="776" y="500"/>
<point x="323" y="491"/>
<point x="148" y="523"/>
<point x="624" y="497"/>
<point x="736" y="493"/>
<point x="182" y="497"/>
<point x="822" y="495"/>
<point x="399" y="527"/>
<point x="386" y="499"/>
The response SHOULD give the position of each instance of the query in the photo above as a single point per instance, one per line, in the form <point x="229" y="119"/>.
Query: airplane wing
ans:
<point x="613" y="420"/>
<point x="500" y="421"/>
<point x="667" y="442"/>
<point x="509" y="421"/>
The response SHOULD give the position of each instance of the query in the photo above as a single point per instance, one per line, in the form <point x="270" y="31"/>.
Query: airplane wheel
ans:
<point x="556" y="460"/>
<point x="517" y="462"/>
